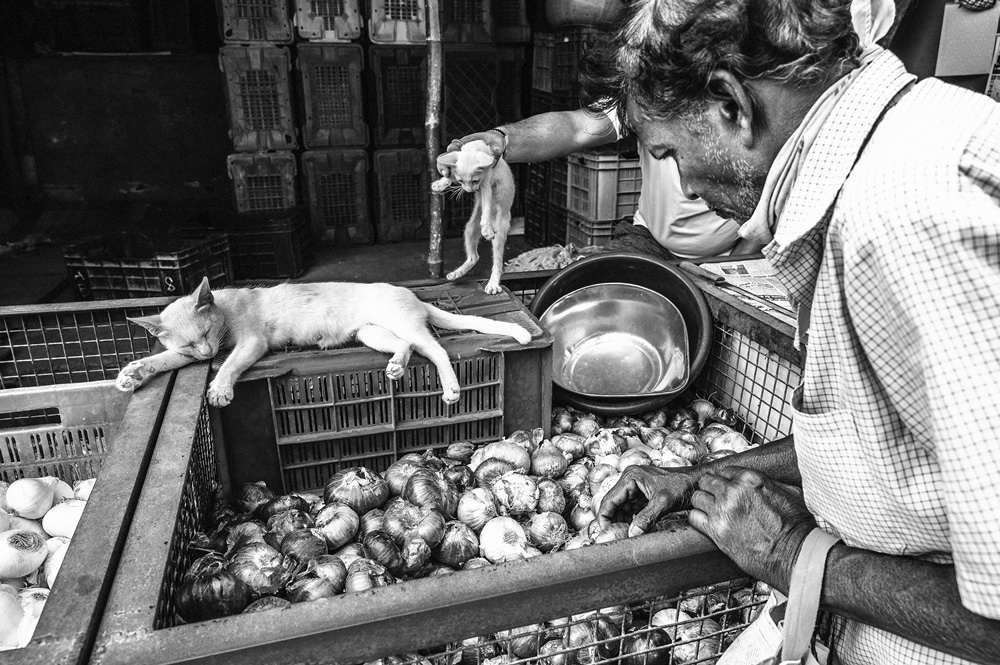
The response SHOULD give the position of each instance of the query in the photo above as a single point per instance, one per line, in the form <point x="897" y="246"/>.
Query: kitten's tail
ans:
<point x="450" y="321"/>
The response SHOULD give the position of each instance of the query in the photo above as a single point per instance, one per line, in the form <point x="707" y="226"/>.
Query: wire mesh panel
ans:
<point x="332" y="93"/>
<point x="466" y="21"/>
<point x="336" y="183"/>
<point x="258" y="96"/>
<point x="263" y="181"/>
<point x="402" y="191"/>
<point x="470" y="89"/>
<point x="398" y="21"/>
<point x="328" y="20"/>
<point x="400" y="94"/>
<point x="250" y="21"/>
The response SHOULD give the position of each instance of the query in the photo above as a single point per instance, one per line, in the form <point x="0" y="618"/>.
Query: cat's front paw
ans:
<point x="394" y="370"/>
<point x="492" y="287"/>
<point x="219" y="394"/>
<point x="440" y="185"/>
<point x="451" y="394"/>
<point x="130" y="377"/>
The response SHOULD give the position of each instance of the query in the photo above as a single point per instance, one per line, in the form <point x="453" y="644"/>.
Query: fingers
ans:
<point x="624" y="490"/>
<point x="455" y="145"/>
<point x="646" y="518"/>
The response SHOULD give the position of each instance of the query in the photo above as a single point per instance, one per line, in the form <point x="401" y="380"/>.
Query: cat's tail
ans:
<point x="450" y="321"/>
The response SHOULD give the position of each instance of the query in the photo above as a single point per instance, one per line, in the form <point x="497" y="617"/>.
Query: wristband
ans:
<point x="503" y="135"/>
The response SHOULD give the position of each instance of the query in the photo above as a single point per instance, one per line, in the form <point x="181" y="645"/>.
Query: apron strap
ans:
<point x="804" y="591"/>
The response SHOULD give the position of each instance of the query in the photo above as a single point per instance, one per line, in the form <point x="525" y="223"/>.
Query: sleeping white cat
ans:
<point x="251" y="321"/>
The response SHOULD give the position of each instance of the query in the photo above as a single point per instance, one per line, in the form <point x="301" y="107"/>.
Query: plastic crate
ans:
<point x="397" y="21"/>
<point x="336" y="184"/>
<point x="255" y="21"/>
<point x="328" y="20"/>
<point x="603" y="186"/>
<point x="543" y="61"/>
<point x="466" y="21"/>
<point x="400" y="95"/>
<point x="524" y="285"/>
<point x="425" y="616"/>
<point x="569" y="48"/>
<point x="258" y="97"/>
<point x="402" y="192"/>
<point x="510" y="104"/>
<point x="536" y="221"/>
<point x="471" y="87"/>
<point x="559" y="182"/>
<point x="558" y="224"/>
<point x="133" y="265"/>
<point x="263" y="181"/>
<point x="332" y="93"/>
<point x="582" y="232"/>
<point x="510" y="21"/>
<point x="101" y="26"/>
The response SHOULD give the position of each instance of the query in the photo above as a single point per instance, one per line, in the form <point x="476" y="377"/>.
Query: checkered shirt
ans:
<point x="896" y="421"/>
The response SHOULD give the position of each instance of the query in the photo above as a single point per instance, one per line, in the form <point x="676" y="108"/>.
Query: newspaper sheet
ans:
<point x="753" y="281"/>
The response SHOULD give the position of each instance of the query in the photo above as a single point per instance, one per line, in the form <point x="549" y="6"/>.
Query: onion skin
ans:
<point x="367" y="574"/>
<point x="265" y="603"/>
<point x="490" y="470"/>
<point x="516" y="493"/>
<point x="383" y="549"/>
<point x="208" y="564"/>
<point x="370" y="522"/>
<point x="551" y="498"/>
<point x="331" y="567"/>
<point x="548" y="461"/>
<point x="252" y="496"/>
<point x="213" y="596"/>
<point x="461" y="476"/>
<point x="280" y="504"/>
<point x="399" y="472"/>
<point x="338" y="523"/>
<point x="304" y="545"/>
<point x="358" y="487"/>
<point x="508" y="452"/>
<point x="501" y="538"/>
<point x="403" y="521"/>
<point x="476" y="507"/>
<point x="585" y="427"/>
<point x="428" y="489"/>
<point x="458" y="545"/>
<point x="647" y="648"/>
<point x="547" y="531"/>
<point x="306" y="588"/>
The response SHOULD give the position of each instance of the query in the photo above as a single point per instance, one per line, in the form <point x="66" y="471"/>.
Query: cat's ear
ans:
<point x="203" y="295"/>
<point x="483" y="160"/>
<point x="153" y="323"/>
<point x="446" y="162"/>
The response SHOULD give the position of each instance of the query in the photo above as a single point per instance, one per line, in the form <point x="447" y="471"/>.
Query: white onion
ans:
<point x="53" y="562"/>
<point x="62" y="519"/>
<point x="502" y="537"/>
<point x="11" y="614"/>
<point x="60" y="489"/>
<point x="516" y="493"/>
<point x="83" y="488"/>
<point x="21" y="552"/>
<point x="30" y="497"/>
<point x="602" y="490"/>
<point x="31" y="525"/>
<point x="476" y="507"/>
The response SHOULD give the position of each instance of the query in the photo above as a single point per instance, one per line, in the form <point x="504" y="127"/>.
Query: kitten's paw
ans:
<point x="453" y="275"/>
<point x="219" y="395"/>
<point x="440" y="185"/>
<point x="492" y="287"/>
<point x="130" y="377"/>
<point x="394" y="370"/>
<point x="451" y="394"/>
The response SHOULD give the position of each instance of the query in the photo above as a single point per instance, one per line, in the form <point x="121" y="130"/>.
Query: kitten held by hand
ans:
<point x="472" y="169"/>
<point x="251" y="321"/>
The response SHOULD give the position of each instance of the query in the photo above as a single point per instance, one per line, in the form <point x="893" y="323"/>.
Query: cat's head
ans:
<point x="191" y="325"/>
<point x="468" y="166"/>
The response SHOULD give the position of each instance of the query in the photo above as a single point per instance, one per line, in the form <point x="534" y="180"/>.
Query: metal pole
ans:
<point x="431" y="128"/>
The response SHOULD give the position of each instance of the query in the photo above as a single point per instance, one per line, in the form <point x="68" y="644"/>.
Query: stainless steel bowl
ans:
<point x="618" y="340"/>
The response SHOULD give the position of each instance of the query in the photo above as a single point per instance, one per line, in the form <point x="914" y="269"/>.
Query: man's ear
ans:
<point x="735" y="105"/>
<point x="483" y="160"/>
<point x="151" y="323"/>
<point x="203" y="295"/>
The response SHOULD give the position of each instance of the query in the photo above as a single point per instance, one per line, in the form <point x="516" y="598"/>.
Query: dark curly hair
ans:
<point x="662" y="52"/>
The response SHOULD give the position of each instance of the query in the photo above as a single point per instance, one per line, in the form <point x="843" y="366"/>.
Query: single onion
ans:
<point x="508" y="452"/>
<point x="548" y="461"/>
<point x="651" y="647"/>
<point x="550" y="497"/>
<point x="684" y="445"/>
<point x="61" y="490"/>
<point x="523" y="642"/>
<point x="208" y="564"/>
<point x="280" y="504"/>
<point x="474" y="650"/>
<point x="428" y="489"/>
<point x="602" y="490"/>
<point x="53" y="562"/>
<point x="285" y="522"/>
<point x="592" y="641"/>
<point x="491" y="469"/>
<point x="350" y="552"/>
<point x="329" y="567"/>
<point x="370" y="521"/>
<point x="399" y="472"/>
<point x="383" y="549"/>
<point x="308" y="588"/>
<point x="580" y="517"/>
<point x="262" y="568"/>
<point x="267" y="603"/>
<point x="458" y="545"/>
<point x="547" y="531"/>
<point x="654" y="436"/>
<point x="502" y="537"/>
<point x="627" y="422"/>
<point x="83" y="488"/>
<point x="655" y="418"/>
<point x="476" y="562"/>
<point x="712" y="431"/>
<point x="585" y="427"/>
<point x="244" y="534"/>
<point x="633" y="457"/>
<point x="211" y="596"/>
<point x="552" y="653"/>
<point x="415" y="553"/>
<point x="575" y="479"/>
<point x="516" y="493"/>
<point x="30" y="498"/>
<point x="461" y="476"/>
<point x="403" y="520"/>
<point x="697" y="642"/>
<point x="604" y="442"/>
<point x="730" y="441"/>
<point x="11" y="615"/>
<point x="338" y="523"/>
<point x="683" y="419"/>
<point x="570" y="445"/>
<point x="476" y="507"/>
<point x="460" y="451"/>
<point x="358" y="487"/>
<point x="367" y="574"/>
<point x="597" y="476"/>
<point x="21" y="552"/>
<point x="303" y="545"/>
<point x="252" y="496"/>
<point x="561" y="421"/>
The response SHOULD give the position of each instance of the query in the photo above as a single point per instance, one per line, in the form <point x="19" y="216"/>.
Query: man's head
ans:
<point x="721" y="84"/>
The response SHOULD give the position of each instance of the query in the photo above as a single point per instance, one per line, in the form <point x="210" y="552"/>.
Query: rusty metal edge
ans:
<point x="768" y="331"/>
<point x="67" y="626"/>
<point x="425" y="613"/>
<point x="93" y="305"/>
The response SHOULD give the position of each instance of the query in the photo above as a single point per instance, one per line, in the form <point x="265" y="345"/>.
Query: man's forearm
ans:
<point x="915" y="599"/>
<point x="776" y="460"/>
<point x="557" y="134"/>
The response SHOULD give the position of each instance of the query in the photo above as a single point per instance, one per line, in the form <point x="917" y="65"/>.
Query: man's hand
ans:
<point x="491" y="139"/>
<point x="759" y="523"/>
<point x="649" y="492"/>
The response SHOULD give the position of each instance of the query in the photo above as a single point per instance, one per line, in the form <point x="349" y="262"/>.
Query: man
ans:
<point x="878" y="200"/>
<point x="665" y="219"/>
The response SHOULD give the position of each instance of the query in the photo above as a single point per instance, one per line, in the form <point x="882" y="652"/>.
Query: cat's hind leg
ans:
<point x="471" y="235"/>
<point x="384" y="340"/>
<point x="499" y="244"/>
<point x="424" y="342"/>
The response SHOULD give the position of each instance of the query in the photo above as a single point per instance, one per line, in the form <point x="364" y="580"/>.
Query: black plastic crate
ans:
<point x="402" y="190"/>
<point x="541" y="102"/>
<point x="101" y="26"/>
<point x="513" y="69"/>
<point x="259" y="97"/>
<point x="255" y="21"/>
<point x="536" y="221"/>
<point x="510" y="21"/>
<point x="336" y="184"/>
<point x="542" y="61"/>
<point x="466" y="21"/>
<point x="400" y="94"/>
<point x="134" y="265"/>
<point x="328" y="20"/>
<point x="263" y="181"/>
<point x="470" y="89"/>
<point x="570" y="46"/>
<point x="397" y="21"/>
<point x="559" y="182"/>
<point x="331" y="94"/>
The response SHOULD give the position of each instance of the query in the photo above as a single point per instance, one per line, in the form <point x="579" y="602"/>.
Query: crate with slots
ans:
<point x="603" y="186"/>
<point x="330" y="76"/>
<point x="510" y="21"/>
<point x="134" y="265"/>
<point x="61" y="415"/>
<point x="336" y="186"/>
<point x="259" y="97"/>
<point x="536" y="220"/>
<point x="255" y="21"/>
<point x="401" y="188"/>
<point x="397" y="21"/>
<point x="328" y="20"/>
<point x="581" y="232"/>
<point x="543" y="60"/>
<point x="466" y="21"/>
<point x="751" y="369"/>
<point x="399" y="94"/>
<point x="263" y="181"/>
<point x="569" y="47"/>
